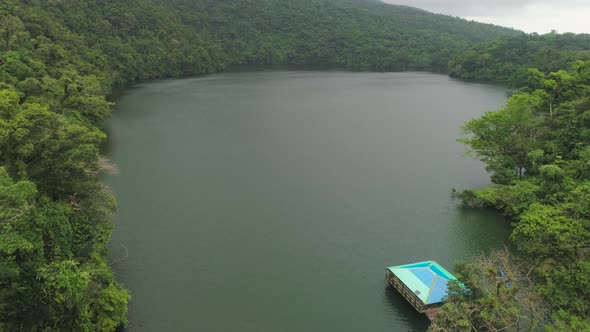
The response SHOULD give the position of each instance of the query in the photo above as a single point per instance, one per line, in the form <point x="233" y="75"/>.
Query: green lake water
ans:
<point x="274" y="200"/>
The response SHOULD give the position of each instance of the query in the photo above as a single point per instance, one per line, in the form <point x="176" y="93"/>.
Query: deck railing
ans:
<point x="408" y="294"/>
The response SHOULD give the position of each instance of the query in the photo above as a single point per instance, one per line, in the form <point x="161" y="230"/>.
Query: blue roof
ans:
<point x="428" y="280"/>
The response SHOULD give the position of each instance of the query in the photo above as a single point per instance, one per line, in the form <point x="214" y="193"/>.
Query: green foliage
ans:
<point x="546" y="231"/>
<point x="564" y="322"/>
<point x="543" y="132"/>
<point x="569" y="289"/>
<point x="44" y="281"/>
<point x="510" y="58"/>
<point x="498" y="296"/>
<point x="64" y="283"/>
<point x="354" y="34"/>
<point x="512" y="200"/>
<point x="504" y="140"/>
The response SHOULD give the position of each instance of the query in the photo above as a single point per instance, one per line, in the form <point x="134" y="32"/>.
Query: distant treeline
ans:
<point x="508" y="59"/>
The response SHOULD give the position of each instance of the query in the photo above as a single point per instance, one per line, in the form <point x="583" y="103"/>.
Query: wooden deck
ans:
<point x="430" y="311"/>
<point x="394" y="281"/>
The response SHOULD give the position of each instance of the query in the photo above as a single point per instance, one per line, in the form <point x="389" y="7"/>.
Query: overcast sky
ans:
<point x="528" y="15"/>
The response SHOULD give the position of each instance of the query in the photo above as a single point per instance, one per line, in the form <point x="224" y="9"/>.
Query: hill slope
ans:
<point x="148" y="38"/>
<point x="355" y="34"/>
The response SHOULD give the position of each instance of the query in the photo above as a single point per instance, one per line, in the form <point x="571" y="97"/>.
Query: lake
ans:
<point x="273" y="200"/>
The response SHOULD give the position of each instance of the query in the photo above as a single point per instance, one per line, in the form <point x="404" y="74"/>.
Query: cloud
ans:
<point x="478" y="7"/>
<point x="543" y="18"/>
<point x="528" y="15"/>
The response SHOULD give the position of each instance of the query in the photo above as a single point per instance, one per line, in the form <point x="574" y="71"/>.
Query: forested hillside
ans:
<point x="142" y="38"/>
<point x="508" y="59"/>
<point x="354" y="34"/>
<point x="59" y="61"/>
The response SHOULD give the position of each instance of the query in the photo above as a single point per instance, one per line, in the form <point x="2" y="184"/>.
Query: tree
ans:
<point x="546" y="231"/>
<point x="568" y="291"/>
<point x="21" y="249"/>
<point x="10" y="26"/>
<point x="497" y="293"/>
<point x="556" y="88"/>
<point x="505" y="139"/>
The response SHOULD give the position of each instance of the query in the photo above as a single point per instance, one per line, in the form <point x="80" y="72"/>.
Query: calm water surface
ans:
<point x="274" y="200"/>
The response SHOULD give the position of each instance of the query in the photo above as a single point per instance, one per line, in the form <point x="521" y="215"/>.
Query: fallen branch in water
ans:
<point x="122" y="258"/>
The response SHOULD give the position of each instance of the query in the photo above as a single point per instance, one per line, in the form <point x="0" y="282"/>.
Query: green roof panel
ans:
<point x="428" y="280"/>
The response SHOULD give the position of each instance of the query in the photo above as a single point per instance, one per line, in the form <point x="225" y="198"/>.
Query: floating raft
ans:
<point x="424" y="285"/>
